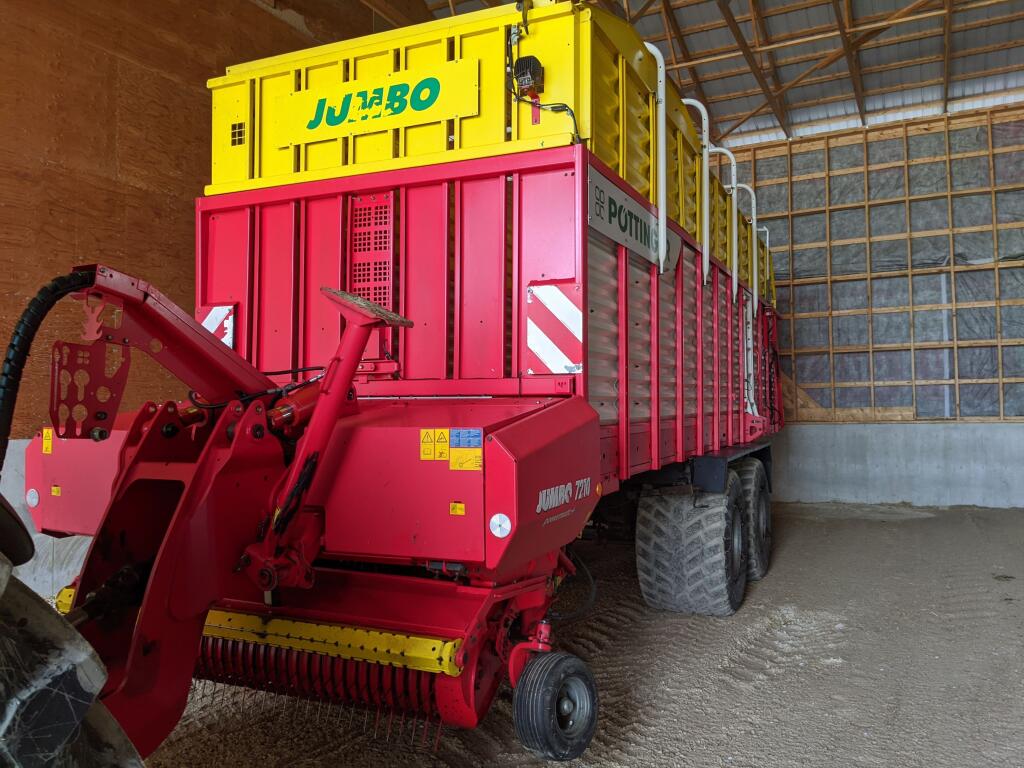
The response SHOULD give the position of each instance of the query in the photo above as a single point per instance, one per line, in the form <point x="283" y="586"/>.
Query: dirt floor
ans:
<point x="883" y="636"/>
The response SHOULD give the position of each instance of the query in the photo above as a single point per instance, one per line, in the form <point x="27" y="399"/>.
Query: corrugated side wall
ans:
<point x="639" y="338"/>
<point x="667" y="351"/>
<point x="603" y="327"/>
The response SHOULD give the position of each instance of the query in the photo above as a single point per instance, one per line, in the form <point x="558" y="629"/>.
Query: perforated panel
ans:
<point x="371" y="257"/>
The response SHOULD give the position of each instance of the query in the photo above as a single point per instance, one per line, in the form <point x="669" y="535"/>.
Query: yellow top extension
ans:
<point x="439" y="92"/>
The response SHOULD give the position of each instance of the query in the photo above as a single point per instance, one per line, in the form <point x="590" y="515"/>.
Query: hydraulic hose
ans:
<point x="21" y="344"/>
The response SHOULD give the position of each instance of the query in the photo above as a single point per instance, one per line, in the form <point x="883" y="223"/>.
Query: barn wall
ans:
<point x="899" y="262"/>
<point x="922" y="464"/>
<point x="106" y="126"/>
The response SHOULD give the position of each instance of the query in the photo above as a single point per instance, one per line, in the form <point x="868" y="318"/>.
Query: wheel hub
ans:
<point x="572" y="698"/>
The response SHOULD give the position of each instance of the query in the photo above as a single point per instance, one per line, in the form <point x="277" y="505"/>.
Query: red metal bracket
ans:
<point x="284" y="558"/>
<point x="86" y="385"/>
<point x="520" y="655"/>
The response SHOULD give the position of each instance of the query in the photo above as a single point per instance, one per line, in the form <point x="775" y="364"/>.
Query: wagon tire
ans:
<point x="758" y="502"/>
<point x="52" y="679"/>
<point x="554" y="706"/>
<point x="15" y="540"/>
<point x="691" y="550"/>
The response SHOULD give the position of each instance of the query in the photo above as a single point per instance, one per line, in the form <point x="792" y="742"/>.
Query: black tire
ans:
<point x="554" y="706"/>
<point x="758" y="502"/>
<point x="691" y="550"/>
<point x="51" y="680"/>
<point x="15" y="541"/>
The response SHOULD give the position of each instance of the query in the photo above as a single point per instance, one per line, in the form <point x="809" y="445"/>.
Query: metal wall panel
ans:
<point x="639" y="339"/>
<point x="602" y="327"/>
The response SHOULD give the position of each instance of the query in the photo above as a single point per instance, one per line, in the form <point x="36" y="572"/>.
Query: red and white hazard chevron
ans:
<point x="220" y="321"/>
<point x="554" y="328"/>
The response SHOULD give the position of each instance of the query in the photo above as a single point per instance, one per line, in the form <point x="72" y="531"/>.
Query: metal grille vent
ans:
<point x="371" y="256"/>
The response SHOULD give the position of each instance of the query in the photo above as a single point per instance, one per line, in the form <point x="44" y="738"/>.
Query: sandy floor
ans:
<point x="884" y="636"/>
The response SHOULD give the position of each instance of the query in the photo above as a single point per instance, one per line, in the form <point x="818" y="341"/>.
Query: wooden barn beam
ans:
<point x="830" y="59"/>
<point x="772" y="99"/>
<point x="642" y="12"/>
<point x="684" y="52"/>
<point x="400" y="13"/>
<point x="947" y="52"/>
<point x="852" y="63"/>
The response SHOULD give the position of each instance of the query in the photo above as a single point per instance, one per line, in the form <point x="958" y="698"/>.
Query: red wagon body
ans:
<point x="393" y="533"/>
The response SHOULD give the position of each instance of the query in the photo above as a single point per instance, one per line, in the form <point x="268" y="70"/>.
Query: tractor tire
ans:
<point x="759" y="516"/>
<point x="554" y="706"/>
<point x="49" y="680"/>
<point x="691" y="550"/>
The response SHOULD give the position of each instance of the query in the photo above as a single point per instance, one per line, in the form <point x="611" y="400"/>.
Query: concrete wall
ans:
<point x="924" y="464"/>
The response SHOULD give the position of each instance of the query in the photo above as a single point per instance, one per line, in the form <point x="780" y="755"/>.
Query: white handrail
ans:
<point x="705" y="182"/>
<point x="753" y="238"/>
<point x="662" y="160"/>
<point x="733" y="206"/>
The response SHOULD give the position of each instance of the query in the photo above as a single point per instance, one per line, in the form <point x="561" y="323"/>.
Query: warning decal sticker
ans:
<point x="462" y="448"/>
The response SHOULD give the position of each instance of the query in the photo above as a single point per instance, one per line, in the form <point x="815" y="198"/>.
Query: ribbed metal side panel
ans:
<point x="723" y="353"/>
<point x="605" y="134"/>
<point x="667" y="343"/>
<point x="637" y="127"/>
<point x="737" y="382"/>
<point x="602" y="327"/>
<point x="689" y="338"/>
<point x="639" y="276"/>
<point x="708" y="352"/>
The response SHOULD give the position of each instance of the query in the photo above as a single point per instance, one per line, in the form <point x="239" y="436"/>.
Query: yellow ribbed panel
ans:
<point x="427" y="654"/>
<point x="437" y="92"/>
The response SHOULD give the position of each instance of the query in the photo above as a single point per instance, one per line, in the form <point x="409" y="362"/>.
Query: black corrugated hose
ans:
<point x="21" y="344"/>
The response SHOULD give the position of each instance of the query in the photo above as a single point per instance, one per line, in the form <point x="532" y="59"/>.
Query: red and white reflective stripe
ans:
<point x="554" y="329"/>
<point x="220" y="321"/>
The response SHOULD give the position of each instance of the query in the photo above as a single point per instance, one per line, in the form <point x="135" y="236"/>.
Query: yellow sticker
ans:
<point x="47" y="440"/>
<point x="441" y="445"/>
<point x="426" y="445"/>
<point x="471" y="459"/>
<point x="457" y="508"/>
<point x="55" y="490"/>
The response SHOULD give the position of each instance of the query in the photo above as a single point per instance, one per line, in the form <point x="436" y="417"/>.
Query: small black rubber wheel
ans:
<point x="554" y="706"/>
<point x="759" y="516"/>
<point x="15" y="540"/>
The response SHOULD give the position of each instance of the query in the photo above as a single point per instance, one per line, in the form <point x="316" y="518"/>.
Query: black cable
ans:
<point x="588" y="606"/>
<point x="294" y="370"/>
<point x="550" y="107"/>
<point x="292" y="501"/>
<point x="21" y="344"/>
<point x="246" y="397"/>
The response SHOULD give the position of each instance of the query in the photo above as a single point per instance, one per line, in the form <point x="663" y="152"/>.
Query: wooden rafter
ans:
<point x="677" y="39"/>
<point x="830" y="59"/>
<point x="947" y="49"/>
<point x="761" y="34"/>
<point x="684" y="52"/>
<point x="643" y="10"/>
<point x="772" y="98"/>
<point x="829" y="31"/>
<point x="817" y="99"/>
<point x="400" y="13"/>
<point x="852" y="63"/>
<point x="612" y="6"/>
<point x="891" y="39"/>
